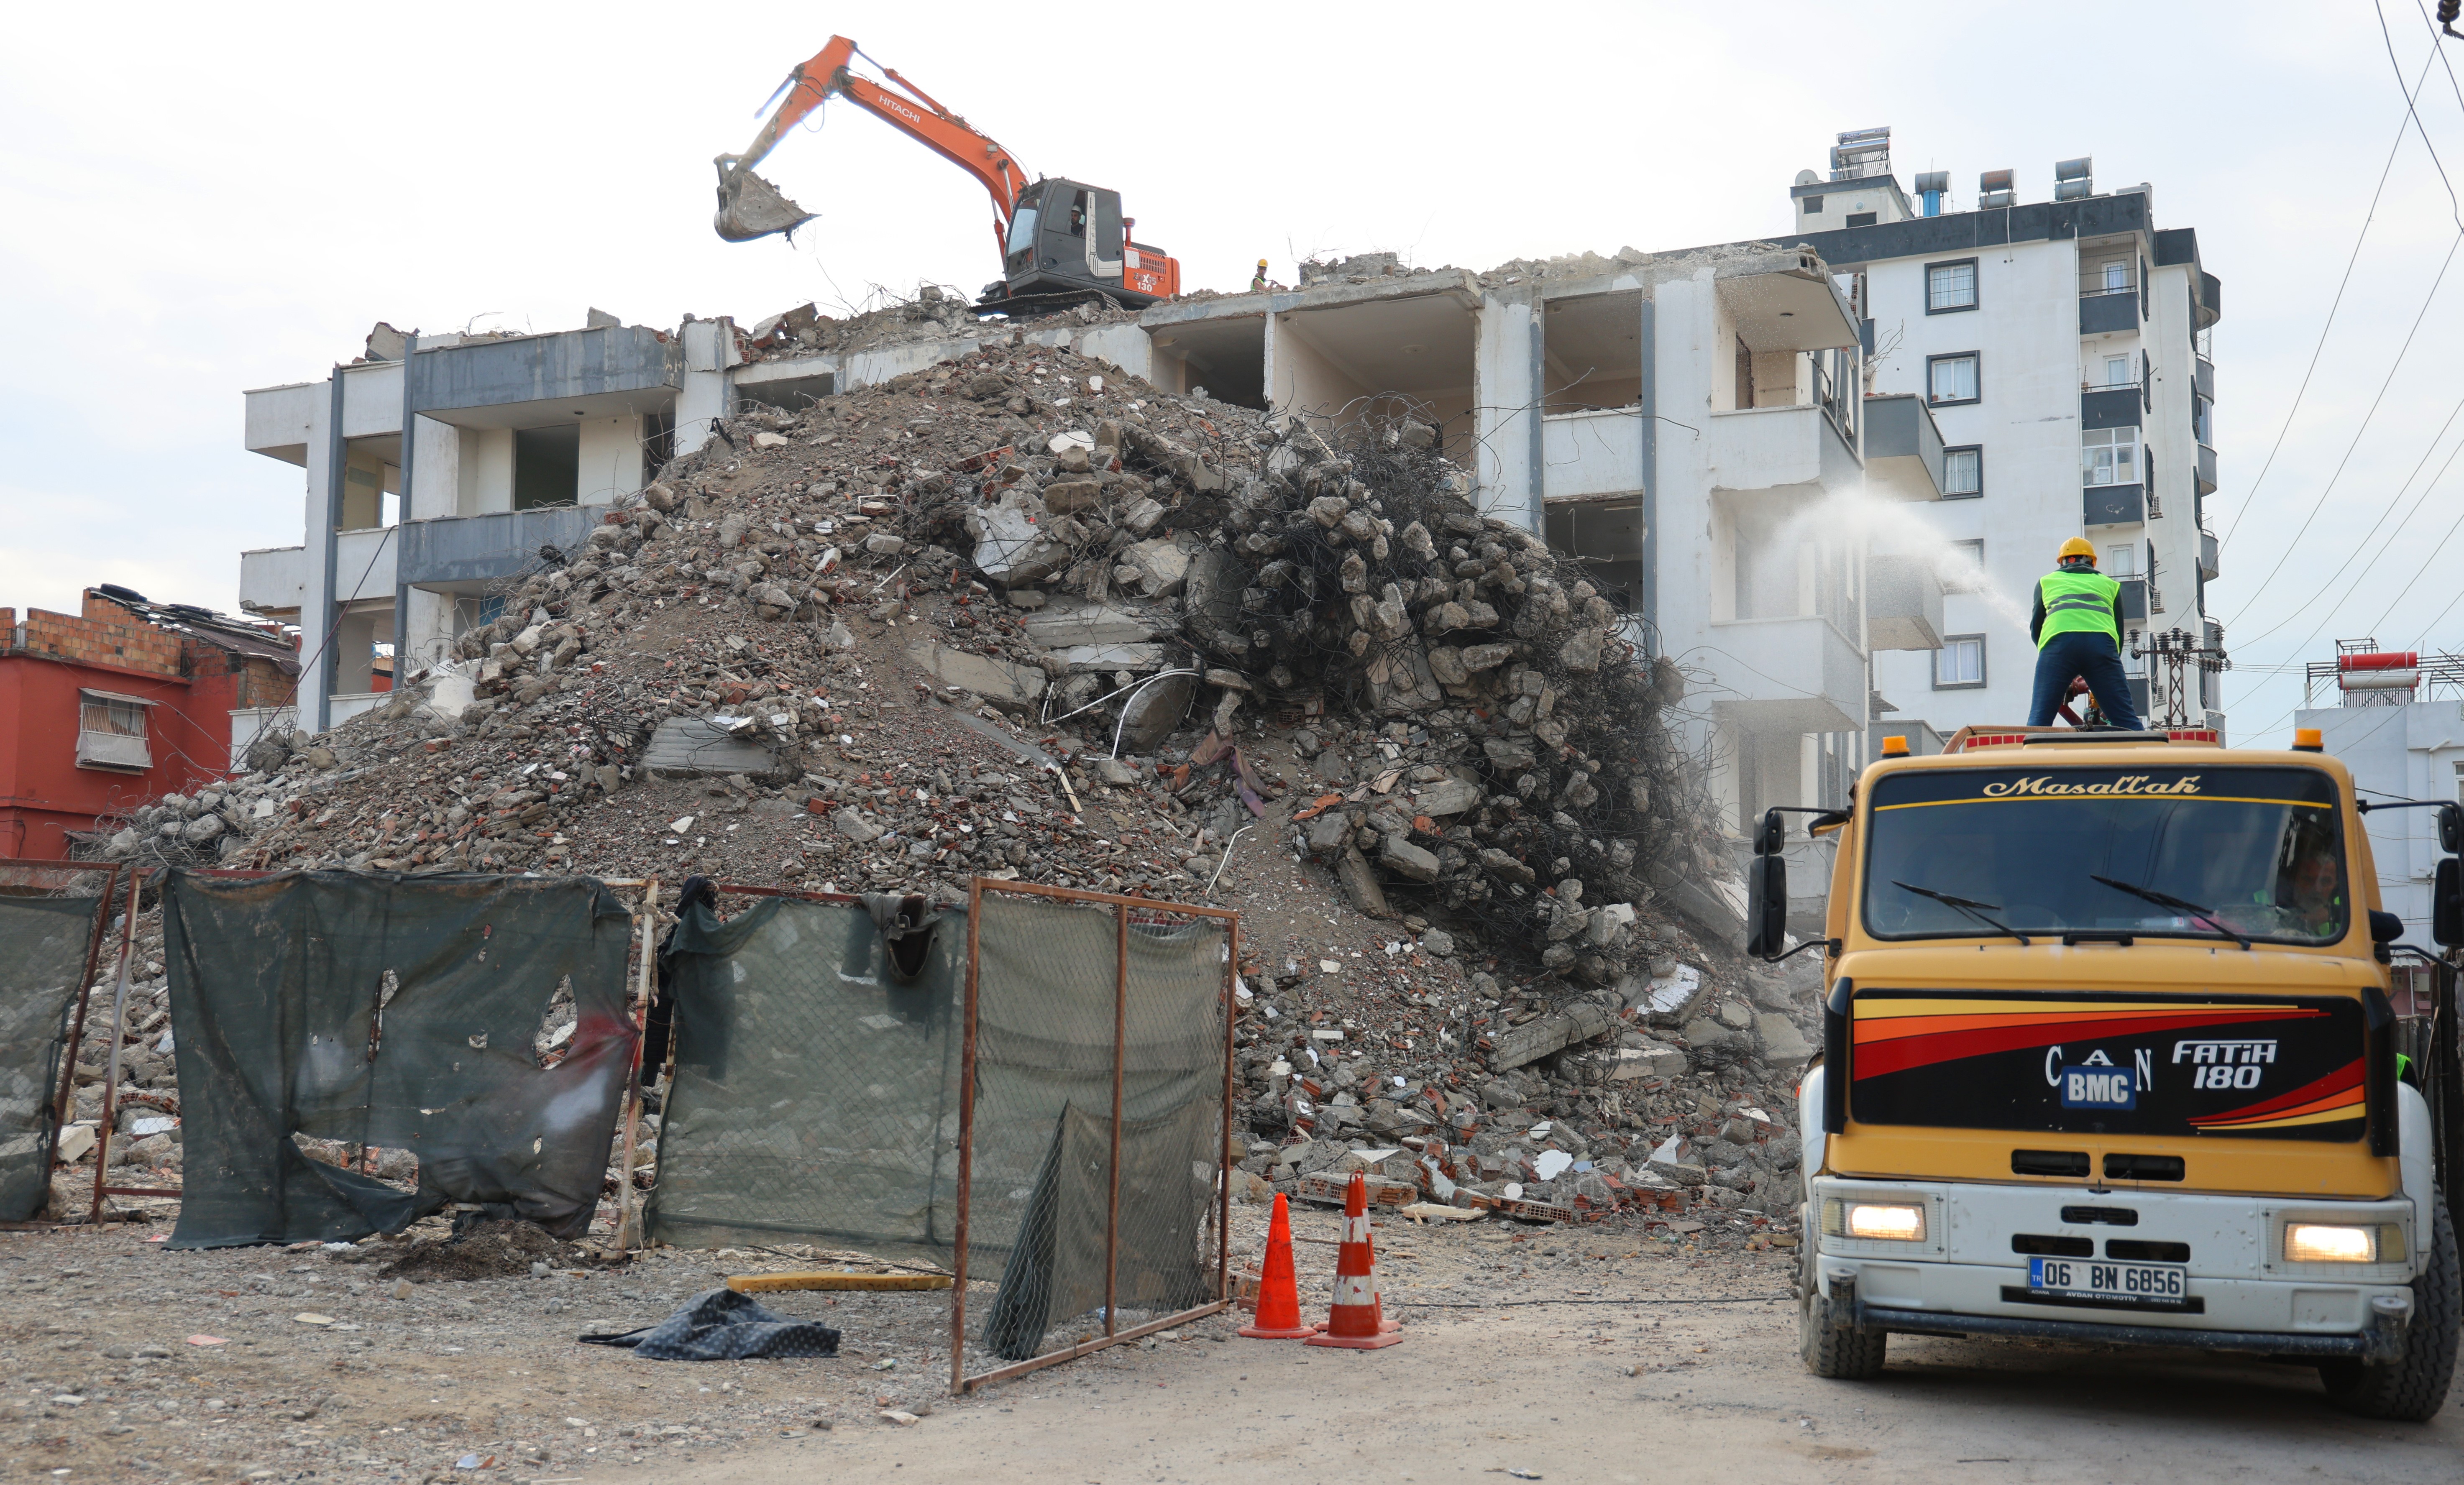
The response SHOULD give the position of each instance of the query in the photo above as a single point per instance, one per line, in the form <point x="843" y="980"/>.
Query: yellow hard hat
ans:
<point x="1262" y="262"/>
<point x="2078" y="547"/>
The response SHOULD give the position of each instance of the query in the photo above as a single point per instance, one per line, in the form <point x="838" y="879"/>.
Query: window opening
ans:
<point x="2109" y="456"/>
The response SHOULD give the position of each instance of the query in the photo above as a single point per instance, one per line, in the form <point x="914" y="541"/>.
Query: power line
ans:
<point x="2341" y="284"/>
<point x="2402" y="351"/>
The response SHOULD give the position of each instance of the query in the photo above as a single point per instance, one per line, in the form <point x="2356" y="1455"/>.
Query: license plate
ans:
<point x="2127" y="1283"/>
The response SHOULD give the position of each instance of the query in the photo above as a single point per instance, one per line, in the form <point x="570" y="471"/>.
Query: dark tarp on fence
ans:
<point x="399" y="1014"/>
<point x="816" y="1089"/>
<point x="1045" y="1009"/>
<point x="43" y="943"/>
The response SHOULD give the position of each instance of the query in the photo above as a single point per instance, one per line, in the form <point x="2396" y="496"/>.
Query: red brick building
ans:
<point x="127" y="702"/>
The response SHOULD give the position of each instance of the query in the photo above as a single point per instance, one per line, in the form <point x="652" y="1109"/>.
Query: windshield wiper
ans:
<point x="1975" y="910"/>
<point x="2178" y="905"/>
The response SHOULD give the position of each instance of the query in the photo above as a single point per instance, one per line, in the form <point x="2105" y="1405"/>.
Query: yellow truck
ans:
<point x="2109" y="1056"/>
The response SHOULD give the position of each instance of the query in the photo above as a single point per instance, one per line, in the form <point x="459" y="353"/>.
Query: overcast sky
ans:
<point x="195" y="201"/>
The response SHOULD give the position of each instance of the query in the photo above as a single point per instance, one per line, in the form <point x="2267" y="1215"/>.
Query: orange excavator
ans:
<point x="1062" y="242"/>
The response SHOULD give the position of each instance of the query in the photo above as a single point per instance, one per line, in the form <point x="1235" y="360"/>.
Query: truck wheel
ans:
<point x="1831" y="1347"/>
<point x="2414" y="1388"/>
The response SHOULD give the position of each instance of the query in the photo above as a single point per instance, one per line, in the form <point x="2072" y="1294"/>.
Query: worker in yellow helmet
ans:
<point x="1259" y="284"/>
<point x="2076" y="625"/>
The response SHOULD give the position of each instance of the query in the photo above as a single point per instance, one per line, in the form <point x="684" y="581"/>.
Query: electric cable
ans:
<point x="2410" y="334"/>
<point x="2338" y="302"/>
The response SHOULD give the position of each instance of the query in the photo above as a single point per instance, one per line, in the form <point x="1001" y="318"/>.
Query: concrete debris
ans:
<point x="941" y="628"/>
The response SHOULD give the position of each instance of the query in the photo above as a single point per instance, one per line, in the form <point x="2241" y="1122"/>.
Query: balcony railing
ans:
<point x="2106" y="314"/>
<point x="2114" y="505"/>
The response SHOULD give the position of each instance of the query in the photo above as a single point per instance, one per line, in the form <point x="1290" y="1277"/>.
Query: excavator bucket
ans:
<point x="750" y="207"/>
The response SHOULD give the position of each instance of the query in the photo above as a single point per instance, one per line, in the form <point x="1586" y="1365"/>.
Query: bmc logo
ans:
<point x="2098" y="1088"/>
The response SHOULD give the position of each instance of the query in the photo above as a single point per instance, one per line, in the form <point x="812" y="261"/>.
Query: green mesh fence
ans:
<point x="43" y="943"/>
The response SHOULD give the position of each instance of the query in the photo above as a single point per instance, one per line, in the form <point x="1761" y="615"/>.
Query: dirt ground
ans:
<point x="1609" y="1352"/>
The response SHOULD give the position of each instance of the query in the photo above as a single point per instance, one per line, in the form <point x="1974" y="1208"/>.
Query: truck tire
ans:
<point x="2414" y="1388"/>
<point x="1831" y="1347"/>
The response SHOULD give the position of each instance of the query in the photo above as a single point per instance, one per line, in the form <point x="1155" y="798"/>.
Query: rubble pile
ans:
<point x="1019" y="615"/>
<point x="934" y="311"/>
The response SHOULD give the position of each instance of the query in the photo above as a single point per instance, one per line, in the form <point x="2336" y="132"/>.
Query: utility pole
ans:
<point x="2178" y="650"/>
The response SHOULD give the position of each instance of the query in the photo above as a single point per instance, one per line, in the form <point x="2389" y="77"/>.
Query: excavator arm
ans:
<point x="750" y="207"/>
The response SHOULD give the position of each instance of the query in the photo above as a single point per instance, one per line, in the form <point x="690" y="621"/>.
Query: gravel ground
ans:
<point x="132" y="1362"/>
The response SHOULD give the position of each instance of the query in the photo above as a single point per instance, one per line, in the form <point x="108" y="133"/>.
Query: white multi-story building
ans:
<point x="2062" y="346"/>
<point x="1692" y="423"/>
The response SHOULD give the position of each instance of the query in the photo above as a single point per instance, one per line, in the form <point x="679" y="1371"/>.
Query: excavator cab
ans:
<point x="1068" y="239"/>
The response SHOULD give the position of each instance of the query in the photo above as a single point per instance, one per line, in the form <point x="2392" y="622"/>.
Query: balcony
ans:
<point x="1902" y="603"/>
<point x="1774" y="448"/>
<point x="2106" y="314"/>
<point x="1804" y="677"/>
<point x="2203" y="378"/>
<point x="1902" y="448"/>
<point x="2206" y="467"/>
<point x="2110" y="407"/>
<point x="274" y="579"/>
<point x="2114" y="505"/>
<point x="1590" y="453"/>
<point x="2208" y="568"/>
<point x="2134" y="599"/>
<point x="484" y="548"/>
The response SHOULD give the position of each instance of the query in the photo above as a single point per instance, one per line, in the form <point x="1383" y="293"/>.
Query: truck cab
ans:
<point x="2109" y="1056"/>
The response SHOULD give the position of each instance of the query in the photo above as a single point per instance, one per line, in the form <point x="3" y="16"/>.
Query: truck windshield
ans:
<point x="2227" y="852"/>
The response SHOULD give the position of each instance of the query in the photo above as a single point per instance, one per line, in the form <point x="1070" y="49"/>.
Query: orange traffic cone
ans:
<point x="1279" y="1292"/>
<point x="1357" y="1319"/>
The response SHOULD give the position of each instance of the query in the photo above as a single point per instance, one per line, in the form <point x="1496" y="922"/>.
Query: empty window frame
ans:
<point x="1950" y="287"/>
<point x="2203" y="420"/>
<point x="1963" y="473"/>
<point x="1951" y="379"/>
<point x="1861" y="218"/>
<point x="1963" y="567"/>
<point x="2109" y="456"/>
<point x="1960" y="664"/>
<point x="1813" y="206"/>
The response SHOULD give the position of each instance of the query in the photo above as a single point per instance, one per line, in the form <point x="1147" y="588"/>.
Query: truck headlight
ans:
<point x="1895" y="1223"/>
<point x="2312" y="1242"/>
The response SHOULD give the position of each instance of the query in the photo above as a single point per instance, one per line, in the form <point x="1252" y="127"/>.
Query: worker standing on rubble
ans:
<point x="1259" y="284"/>
<point x="2076" y="625"/>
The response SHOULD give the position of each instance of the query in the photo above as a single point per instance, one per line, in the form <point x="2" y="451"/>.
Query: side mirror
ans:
<point x="2446" y="904"/>
<point x="2451" y="828"/>
<point x="2385" y="928"/>
<point x="1767" y="906"/>
<point x="1769" y="834"/>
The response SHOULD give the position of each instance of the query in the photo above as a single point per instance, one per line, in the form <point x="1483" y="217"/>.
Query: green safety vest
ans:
<point x="2078" y="602"/>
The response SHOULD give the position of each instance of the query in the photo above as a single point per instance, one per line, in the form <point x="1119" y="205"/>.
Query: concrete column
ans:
<point x="610" y="460"/>
<point x="435" y="470"/>
<point x="487" y="485"/>
<point x="706" y="397"/>
<point x="325" y="454"/>
<point x="355" y="638"/>
<point x="427" y="629"/>
<point x="1505" y="381"/>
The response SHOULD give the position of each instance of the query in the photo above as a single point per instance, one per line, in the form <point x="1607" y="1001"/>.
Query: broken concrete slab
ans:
<point x="695" y="747"/>
<point x="1154" y="711"/>
<point x="1008" y="686"/>
<point x="1080" y="658"/>
<point x="1448" y="797"/>
<point x="1401" y="856"/>
<point x="1089" y="624"/>
<point x="1360" y="883"/>
<point x="1784" y="1046"/>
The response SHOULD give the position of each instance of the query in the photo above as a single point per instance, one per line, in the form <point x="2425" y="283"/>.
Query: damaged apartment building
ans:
<point x="1706" y="429"/>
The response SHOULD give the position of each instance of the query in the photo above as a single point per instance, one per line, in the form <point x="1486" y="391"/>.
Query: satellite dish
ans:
<point x="1806" y="178"/>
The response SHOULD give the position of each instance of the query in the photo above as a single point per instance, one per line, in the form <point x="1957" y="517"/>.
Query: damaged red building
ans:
<point x="125" y="702"/>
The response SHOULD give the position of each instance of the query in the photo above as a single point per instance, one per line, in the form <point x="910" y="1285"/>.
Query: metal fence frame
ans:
<point x="979" y="888"/>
